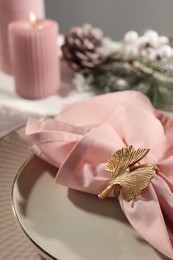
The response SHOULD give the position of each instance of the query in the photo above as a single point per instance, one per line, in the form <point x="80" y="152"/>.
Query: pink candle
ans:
<point x="11" y="10"/>
<point x="33" y="46"/>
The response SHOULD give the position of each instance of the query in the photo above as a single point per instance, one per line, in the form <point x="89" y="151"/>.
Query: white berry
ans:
<point x="142" y="42"/>
<point x="144" y="53"/>
<point x="122" y="83"/>
<point x="165" y="51"/>
<point x="163" y="40"/>
<point x="151" y="33"/>
<point x="131" y="37"/>
<point x="152" y="55"/>
<point x="153" y="38"/>
<point x="147" y="52"/>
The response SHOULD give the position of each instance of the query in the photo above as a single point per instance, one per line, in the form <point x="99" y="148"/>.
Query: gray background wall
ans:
<point x="114" y="17"/>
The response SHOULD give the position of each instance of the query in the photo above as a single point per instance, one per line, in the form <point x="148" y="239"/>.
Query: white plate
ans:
<point x="70" y="225"/>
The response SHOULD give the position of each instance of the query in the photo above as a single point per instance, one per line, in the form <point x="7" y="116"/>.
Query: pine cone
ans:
<point x="84" y="49"/>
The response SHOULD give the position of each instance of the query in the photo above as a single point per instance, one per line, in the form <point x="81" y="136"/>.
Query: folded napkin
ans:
<point x="82" y="138"/>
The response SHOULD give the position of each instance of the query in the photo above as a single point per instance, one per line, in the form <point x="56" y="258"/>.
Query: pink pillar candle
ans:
<point x="11" y="10"/>
<point x="34" y="58"/>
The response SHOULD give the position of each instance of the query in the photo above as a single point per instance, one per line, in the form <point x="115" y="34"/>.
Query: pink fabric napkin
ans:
<point x="81" y="139"/>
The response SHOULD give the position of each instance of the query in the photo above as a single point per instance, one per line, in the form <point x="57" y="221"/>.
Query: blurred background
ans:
<point x="114" y="17"/>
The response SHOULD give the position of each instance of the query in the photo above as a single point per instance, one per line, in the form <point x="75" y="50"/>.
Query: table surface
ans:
<point x="47" y="106"/>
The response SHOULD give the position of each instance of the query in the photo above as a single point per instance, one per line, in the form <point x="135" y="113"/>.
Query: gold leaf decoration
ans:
<point x="125" y="175"/>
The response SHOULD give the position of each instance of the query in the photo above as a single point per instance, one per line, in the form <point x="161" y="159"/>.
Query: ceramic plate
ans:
<point x="70" y="225"/>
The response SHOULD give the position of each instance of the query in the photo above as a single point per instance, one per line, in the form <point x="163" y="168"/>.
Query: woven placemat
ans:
<point x="13" y="152"/>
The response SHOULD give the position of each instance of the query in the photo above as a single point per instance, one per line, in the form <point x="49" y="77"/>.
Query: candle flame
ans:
<point x="32" y="18"/>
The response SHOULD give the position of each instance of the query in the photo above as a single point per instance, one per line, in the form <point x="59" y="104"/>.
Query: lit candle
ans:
<point x="11" y="10"/>
<point x="33" y="46"/>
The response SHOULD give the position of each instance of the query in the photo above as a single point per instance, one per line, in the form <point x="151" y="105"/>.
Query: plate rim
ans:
<point x="15" y="214"/>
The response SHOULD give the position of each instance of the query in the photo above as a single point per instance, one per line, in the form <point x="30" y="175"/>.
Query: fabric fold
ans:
<point x="83" y="168"/>
<point x="81" y="139"/>
<point x="148" y="214"/>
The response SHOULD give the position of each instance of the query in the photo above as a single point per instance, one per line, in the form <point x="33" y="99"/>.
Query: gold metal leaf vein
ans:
<point x="133" y="180"/>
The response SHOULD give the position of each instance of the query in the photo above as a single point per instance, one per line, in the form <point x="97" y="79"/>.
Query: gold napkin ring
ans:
<point x="132" y="179"/>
